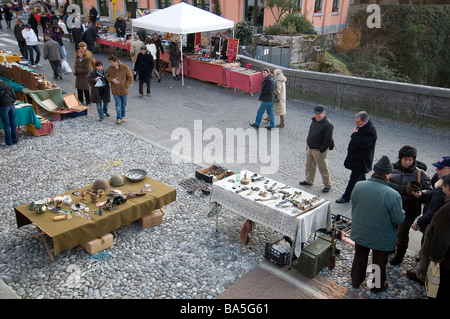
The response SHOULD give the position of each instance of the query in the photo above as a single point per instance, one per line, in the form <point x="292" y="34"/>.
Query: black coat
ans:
<point x="90" y="35"/>
<point x="320" y="135"/>
<point x="361" y="149"/>
<point x="95" y="91"/>
<point x="144" y="66"/>
<point x="267" y="93"/>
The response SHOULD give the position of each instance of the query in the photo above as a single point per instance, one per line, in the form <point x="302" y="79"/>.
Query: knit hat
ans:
<point x="383" y="166"/>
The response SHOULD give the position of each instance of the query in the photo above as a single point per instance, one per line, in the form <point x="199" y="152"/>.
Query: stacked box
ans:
<point x="314" y="257"/>
<point x="99" y="244"/>
<point x="153" y="219"/>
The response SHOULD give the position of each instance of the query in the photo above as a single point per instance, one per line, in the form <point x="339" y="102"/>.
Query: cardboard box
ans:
<point x="153" y="219"/>
<point x="207" y="174"/>
<point x="432" y="280"/>
<point x="314" y="257"/>
<point x="99" y="244"/>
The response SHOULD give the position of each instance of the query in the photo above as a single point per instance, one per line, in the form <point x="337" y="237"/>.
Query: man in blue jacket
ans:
<point x="376" y="209"/>
<point x="8" y="113"/>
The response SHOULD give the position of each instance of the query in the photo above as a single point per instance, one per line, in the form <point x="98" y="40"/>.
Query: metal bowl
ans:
<point x="135" y="175"/>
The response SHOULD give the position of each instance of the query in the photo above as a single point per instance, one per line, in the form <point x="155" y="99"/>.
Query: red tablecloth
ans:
<point x="165" y="57"/>
<point x="250" y="83"/>
<point x="208" y="71"/>
<point x="125" y="46"/>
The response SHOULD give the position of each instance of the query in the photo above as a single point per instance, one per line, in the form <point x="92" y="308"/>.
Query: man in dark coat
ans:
<point x="89" y="36"/>
<point x="318" y="142"/>
<point x="144" y="68"/>
<point x="93" y="14"/>
<point x="360" y="152"/>
<point x="20" y="40"/>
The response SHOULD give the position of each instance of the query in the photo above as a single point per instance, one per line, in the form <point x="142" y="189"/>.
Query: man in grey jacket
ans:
<point x="53" y="53"/>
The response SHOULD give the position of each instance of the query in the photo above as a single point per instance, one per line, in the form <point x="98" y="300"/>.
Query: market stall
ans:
<point x="85" y="222"/>
<point x="183" y="19"/>
<point x="287" y="210"/>
<point x="24" y="115"/>
<point x="113" y="42"/>
<point x="243" y="79"/>
<point x="209" y="70"/>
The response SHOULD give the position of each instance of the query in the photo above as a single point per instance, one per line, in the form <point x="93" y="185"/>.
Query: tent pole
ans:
<point x="182" y="64"/>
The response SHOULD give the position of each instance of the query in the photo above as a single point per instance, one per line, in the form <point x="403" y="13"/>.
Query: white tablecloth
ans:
<point x="267" y="214"/>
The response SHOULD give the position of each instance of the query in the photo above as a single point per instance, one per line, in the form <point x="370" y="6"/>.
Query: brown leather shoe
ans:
<point x="413" y="276"/>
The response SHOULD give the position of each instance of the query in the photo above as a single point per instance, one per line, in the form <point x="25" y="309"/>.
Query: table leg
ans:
<point x="41" y="234"/>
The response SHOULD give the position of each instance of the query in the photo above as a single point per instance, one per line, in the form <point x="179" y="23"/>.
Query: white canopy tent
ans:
<point x="182" y="18"/>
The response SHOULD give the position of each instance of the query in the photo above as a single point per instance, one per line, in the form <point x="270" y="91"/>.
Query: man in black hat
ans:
<point x="376" y="208"/>
<point x="318" y="142"/>
<point x="360" y="152"/>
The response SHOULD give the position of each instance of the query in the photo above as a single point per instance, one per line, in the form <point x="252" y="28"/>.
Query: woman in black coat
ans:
<point x="100" y="90"/>
<point x="144" y="67"/>
<point x="34" y="24"/>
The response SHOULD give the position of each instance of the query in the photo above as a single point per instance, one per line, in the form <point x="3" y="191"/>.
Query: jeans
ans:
<point x="121" y="105"/>
<point x="265" y="106"/>
<point x="102" y="109"/>
<point x="64" y="52"/>
<point x="8" y="117"/>
<point x="38" y="54"/>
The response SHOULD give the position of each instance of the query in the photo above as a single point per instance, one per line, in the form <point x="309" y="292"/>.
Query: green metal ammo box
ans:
<point x="314" y="257"/>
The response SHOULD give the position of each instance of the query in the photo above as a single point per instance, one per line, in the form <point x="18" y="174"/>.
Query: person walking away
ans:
<point x="135" y="49"/>
<point x="405" y="172"/>
<point x="144" y="68"/>
<point x="279" y="106"/>
<point x="436" y="245"/>
<point x="8" y="113"/>
<point x="360" y="152"/>
<point x="57" y="35"/>
<point x="267" y="97"/>
<point x="93" y="15"/>
<point x="53" y="53"/>
<point x="120" y="78"/>
<point x="76" y="36"/>
<point x="69" y="20"/>
<point x="82" y="68"/>
<point x="376" y="208"/>
<point x="158" y="62"/>
<point x="31" y="39"/>
<point x="44" y="19"/>
<point x="20" y="40"/>
<point x="318" y="142"/>
<point x="100" y="90"/>
<point x="32" y="21"/>
<point x="89" y="36"/>
<point x="154" y="51"/>
<point x="8" y="14"/>
<point x="121" y="27"/>
<point x="175" y="57"/>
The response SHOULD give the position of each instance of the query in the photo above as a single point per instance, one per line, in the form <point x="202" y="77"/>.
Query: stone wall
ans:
<point x="416" y="105"/>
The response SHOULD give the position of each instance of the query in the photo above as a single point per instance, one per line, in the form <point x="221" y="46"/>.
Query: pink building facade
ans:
<point x="327" y="16"/>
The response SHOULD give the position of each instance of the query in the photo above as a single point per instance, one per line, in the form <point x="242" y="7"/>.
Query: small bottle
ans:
<point x="238" y="174"/>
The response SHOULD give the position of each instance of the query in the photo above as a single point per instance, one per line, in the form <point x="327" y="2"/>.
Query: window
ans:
<point x="254" y="12"/>
<point x="164" y="3"/>
<point x="318" y="6"/>
<point x="203" y="4"/>
<point x="299" y="5"/>
<point x="336" y="4"/>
